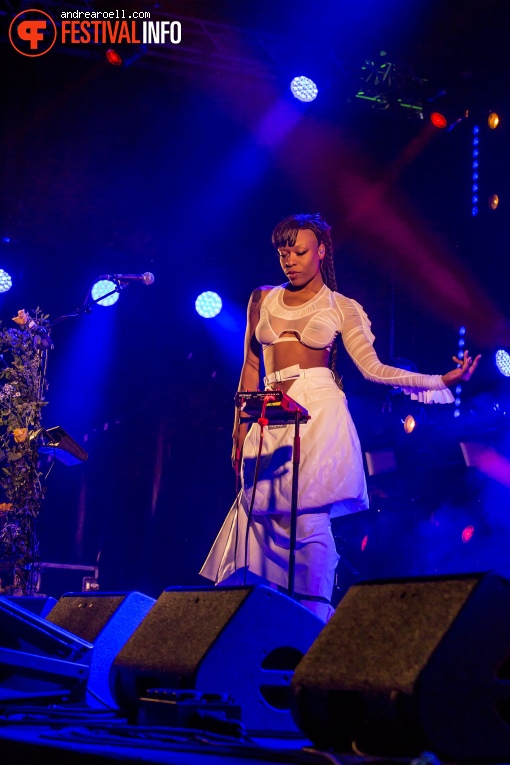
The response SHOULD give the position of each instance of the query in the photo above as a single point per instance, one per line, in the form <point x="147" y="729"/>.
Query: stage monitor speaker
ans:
<point x="241" y="641"/>
<point x="39" y="660"/>
<point x="411" y="665"/>
<point x="107" y="620"/>
<point x="40" y="605"/>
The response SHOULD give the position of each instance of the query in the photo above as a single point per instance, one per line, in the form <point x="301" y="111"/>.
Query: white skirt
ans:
<point x="331" y="483"/>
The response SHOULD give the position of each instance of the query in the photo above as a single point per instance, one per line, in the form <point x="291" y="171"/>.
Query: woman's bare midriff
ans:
<point x="288" y="353"/>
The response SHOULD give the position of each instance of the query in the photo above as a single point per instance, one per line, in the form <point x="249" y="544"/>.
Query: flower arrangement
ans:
<point x="22" y="388"/>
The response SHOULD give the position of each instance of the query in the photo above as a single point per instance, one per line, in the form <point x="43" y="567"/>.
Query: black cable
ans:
<point x="52" y="464"/>
<point x="101" y="701"/>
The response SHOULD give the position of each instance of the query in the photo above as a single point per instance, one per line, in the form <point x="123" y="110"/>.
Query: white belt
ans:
<point x="295" y="371"/>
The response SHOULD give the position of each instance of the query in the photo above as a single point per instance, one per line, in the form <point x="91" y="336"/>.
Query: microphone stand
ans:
<point x="90" y="303"/>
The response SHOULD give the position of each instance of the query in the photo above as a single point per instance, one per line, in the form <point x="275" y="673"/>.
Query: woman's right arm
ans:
<point x="250" y="373"/>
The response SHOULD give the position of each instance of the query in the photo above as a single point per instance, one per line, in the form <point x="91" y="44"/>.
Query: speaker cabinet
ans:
<point x="240" y="641"/>
<point x="107" y="620"/>
<point x="39" y="660"/>
<point x="408" y="665"/>
<point x="40" y="605"/>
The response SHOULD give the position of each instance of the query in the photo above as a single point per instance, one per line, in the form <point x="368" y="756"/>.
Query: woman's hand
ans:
<point x="236" y="454"/>
<point x="464" y="372"/>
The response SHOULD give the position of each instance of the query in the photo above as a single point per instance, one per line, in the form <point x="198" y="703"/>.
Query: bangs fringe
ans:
<point x="285" y="233"/>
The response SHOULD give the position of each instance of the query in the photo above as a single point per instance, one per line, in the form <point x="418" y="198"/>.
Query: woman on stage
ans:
<point x="296" y="326"/>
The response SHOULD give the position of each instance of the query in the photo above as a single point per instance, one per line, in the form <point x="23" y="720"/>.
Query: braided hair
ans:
<point x="285" y="235"/>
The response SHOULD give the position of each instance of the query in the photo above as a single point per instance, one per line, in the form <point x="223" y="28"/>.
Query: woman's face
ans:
<point x="301" y="263"/>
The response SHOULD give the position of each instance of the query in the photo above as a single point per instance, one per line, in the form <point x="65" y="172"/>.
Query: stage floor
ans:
<point x="38" y="736"/>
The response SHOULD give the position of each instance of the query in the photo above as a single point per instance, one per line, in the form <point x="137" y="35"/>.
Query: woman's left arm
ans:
<point x="358" y="339"/>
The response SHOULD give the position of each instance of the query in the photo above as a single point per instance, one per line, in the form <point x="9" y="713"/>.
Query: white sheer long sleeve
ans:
<point x="358" y="339"/>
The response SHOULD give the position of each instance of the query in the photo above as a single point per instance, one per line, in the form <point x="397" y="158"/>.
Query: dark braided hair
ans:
<point x="285" y="235"/>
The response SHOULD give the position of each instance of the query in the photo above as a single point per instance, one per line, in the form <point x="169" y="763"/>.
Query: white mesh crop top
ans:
<point x="316" y="325"/>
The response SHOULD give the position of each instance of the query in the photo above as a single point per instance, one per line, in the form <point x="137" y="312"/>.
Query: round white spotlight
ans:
<point x="502" y="359"/>
<point x="103" y="287"/>
<point x="5" y="281"/>
<point x="304" y="89"/>
<point x="208" y="304"/>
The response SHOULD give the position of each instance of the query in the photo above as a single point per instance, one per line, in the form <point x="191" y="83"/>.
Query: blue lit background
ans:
<point x="184" y="170"/>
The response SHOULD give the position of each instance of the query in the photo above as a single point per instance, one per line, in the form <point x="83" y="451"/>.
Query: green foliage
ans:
<point x="22" y="388"/>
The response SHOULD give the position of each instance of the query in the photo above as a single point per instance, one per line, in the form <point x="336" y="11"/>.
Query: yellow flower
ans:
<point x="5" y="507"/>
<point x="22" y="317"/>
<point x="20" y="435"/>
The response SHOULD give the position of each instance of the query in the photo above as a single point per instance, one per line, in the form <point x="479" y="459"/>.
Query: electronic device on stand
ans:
<point x="277" y="408"/>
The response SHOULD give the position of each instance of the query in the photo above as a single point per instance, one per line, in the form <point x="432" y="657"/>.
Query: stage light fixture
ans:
<point x="113" y="57"/>
<point x="467" y="534"/>
<point x="460" y="355"/>
<point x="304" y="89"/>
<point x="409" y="423"/>
<point x="444" y="111"/>
<point x="502" y="361"/>
<point x="474" y="176"/>
<point x="390" y="86"/>
<point x="103" y="287"/>
<point x="438" y="120"/>
<point x="493" y="201"/>
<point x="208" y="304"/>
<point x="5" y="281"/>
<point x="493" y="120"/>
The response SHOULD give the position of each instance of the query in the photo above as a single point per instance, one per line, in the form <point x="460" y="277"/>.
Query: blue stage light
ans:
<point x="103" y="287"/>
<point x="5" y="281"/>
<point x="208" y="304"/>
<point x="456" y="413"/>
<point x="304" y="89"/>
<point x="502" y="359"/>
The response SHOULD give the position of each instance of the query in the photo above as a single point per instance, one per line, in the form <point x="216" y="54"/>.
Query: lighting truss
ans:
<point x="386" y="85"/>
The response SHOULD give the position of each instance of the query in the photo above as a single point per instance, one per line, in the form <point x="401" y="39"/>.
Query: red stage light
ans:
<point x="467" y="533"/>
<point x="113" y="57"/>
<point x="364" y="542"/>
<point x="438" y="120"/>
